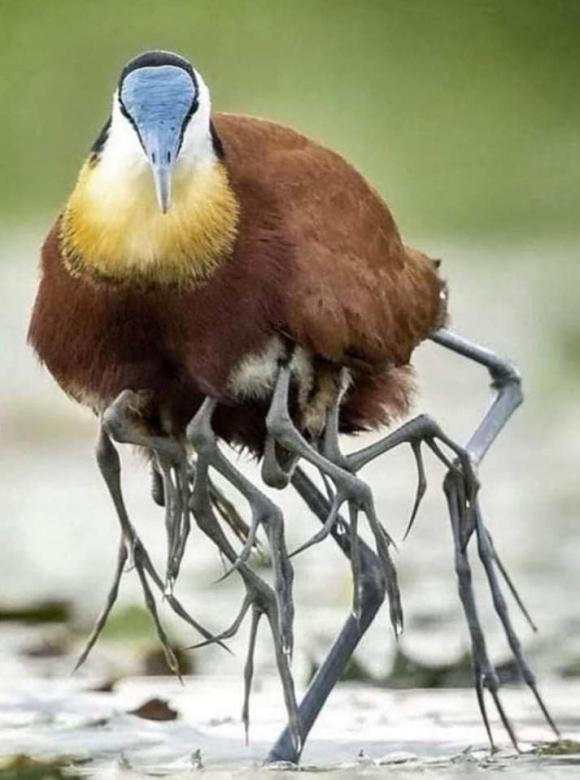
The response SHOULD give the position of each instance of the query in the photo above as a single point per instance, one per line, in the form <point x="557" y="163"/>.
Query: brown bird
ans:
<point x="217" y="277"/>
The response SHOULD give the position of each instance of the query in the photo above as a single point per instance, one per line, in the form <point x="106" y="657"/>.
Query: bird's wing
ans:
<point x="354" y="292"/>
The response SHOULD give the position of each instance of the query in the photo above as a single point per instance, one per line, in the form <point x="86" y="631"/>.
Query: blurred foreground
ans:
<point x="364" y="733"/>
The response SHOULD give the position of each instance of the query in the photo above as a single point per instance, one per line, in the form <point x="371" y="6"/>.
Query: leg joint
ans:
<point x="267" y="511"/>
<point x="504" y="373"/>
<point x="279" y="427"/>
<point x="201" y="435"/>
<point x="424" y="425"/>
<point x="462" y="569"/>
<point x="113" y="425"/>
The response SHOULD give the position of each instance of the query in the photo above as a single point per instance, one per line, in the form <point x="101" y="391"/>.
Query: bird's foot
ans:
<point x="466" y="521"/>
<point x="346" y="488"/>
<point x="265" y="514"/>
<point x="131" y="548"/>
<point x="171" y="484"/>
<point x="146" y="572"/>
<point x="461" y="486"/>
<point x="260" y="598"/>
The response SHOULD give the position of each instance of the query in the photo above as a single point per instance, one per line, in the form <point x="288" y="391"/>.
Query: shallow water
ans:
<point x="58" y="537"/>
<point x="362" y="730"/>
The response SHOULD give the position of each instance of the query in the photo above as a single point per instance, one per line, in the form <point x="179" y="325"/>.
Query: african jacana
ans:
<point x="220" y="277"/>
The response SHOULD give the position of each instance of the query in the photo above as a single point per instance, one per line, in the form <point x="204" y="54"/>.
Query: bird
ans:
<point x="217" y="277"/>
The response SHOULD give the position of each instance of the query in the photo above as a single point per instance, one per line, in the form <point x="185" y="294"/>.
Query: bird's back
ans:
<point x="354" y="291"/>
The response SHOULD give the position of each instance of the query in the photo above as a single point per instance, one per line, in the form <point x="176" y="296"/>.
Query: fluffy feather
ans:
<point x="112" y="227"/>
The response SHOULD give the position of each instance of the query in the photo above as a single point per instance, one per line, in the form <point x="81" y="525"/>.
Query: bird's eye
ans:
<point x="153" y="157"/>
<point x="168" y="157"/>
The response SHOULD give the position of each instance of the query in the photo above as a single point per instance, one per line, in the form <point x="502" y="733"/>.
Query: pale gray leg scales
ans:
<point x="131" y="547"/>
<point x="461" y="489"/>
<point x="372" y="594"/>
<point x="264" y="513"/>
<point x="172" y="468"/>
<point x="277" y="605"/>
<point x="347" y="487"/>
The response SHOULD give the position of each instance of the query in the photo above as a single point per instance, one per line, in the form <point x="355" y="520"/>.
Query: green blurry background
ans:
<point x="464" y="113"/>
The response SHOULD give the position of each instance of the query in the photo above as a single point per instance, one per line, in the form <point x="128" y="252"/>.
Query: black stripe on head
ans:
<point x="100" y="142"/>
<point x="154" y="59"/>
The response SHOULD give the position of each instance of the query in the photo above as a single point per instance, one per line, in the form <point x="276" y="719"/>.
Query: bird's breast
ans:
<point x="112" y="227"/>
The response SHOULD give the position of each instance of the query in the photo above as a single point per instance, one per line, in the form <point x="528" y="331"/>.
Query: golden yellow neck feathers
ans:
<point x="113" y="229"/>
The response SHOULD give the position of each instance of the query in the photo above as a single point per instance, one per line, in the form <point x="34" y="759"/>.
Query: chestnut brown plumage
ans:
<point x="318" y="260"/>
<point x="272" y="306"/>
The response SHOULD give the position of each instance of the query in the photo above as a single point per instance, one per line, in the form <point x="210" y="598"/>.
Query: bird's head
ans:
<point x="160" y="119"/>
<point x="154" y="199"/>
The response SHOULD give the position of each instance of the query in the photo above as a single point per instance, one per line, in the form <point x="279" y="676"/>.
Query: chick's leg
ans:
<point x="276" y="605"/>
<point x="116" y="422"/>
<point x="348" y="488"/>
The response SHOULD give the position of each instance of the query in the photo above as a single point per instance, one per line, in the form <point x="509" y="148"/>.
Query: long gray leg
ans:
<point x="372" y="594"/>
<point x="172" y="468"/>
<point x="109" y="604"/>
<point x="348" y="487"/>
<point x="259" y="595"/>
<point x="506" y="381"/>
<point x="224" y="507"/>
<point x="484" y="673"/>
<point x="110" y="467"/>
<point x="264" y="512"/>
<point x="461" y="488"/>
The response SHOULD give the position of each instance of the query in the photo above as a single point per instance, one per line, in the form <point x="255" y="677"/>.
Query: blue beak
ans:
<point x="159" y="101"/>
<point x="161" y="145"/>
